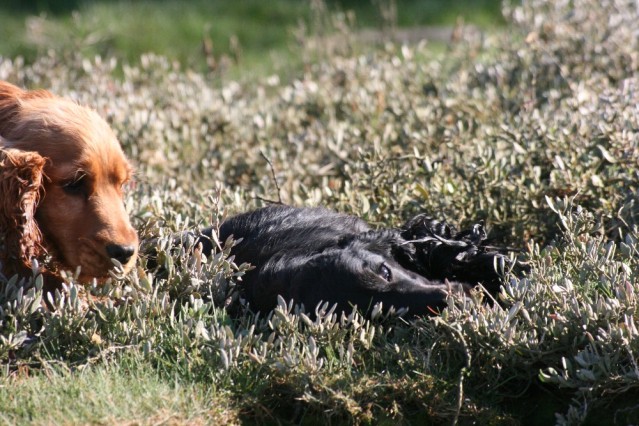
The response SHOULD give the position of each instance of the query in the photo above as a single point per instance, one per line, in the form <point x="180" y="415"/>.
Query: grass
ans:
<point x="256" y="33"/>
<point x="127" y="391"/>
<point x="531" y="130"/>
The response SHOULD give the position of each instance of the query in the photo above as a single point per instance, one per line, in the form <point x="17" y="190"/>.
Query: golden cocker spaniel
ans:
<point x="62" y="173"/>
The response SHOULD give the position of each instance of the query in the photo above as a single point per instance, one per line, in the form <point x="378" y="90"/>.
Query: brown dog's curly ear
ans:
<point x="21" y="176"/>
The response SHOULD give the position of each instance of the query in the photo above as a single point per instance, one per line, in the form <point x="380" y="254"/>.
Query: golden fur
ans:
<point x="71" y="194"/>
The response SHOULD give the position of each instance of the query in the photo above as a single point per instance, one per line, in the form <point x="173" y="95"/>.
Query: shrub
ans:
<point x="532" y="129"/>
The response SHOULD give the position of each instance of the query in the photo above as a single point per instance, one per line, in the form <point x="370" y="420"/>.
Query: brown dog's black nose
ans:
<point x="120" y="252"/>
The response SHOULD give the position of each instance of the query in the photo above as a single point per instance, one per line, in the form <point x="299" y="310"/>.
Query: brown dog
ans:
<point x="62" y="173"/>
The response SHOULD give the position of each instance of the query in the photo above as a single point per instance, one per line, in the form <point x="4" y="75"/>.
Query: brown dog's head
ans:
<point x="80" y="212"/>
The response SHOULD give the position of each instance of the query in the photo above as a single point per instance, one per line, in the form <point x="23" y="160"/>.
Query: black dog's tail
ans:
<point x="440" y="252"/>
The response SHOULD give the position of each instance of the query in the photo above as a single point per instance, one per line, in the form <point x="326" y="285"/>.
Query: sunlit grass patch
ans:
<point x="127" y="391"/>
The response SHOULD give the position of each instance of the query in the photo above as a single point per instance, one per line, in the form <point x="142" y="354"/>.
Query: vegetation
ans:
<point x="240" y="37"/>
<point x="533" y="130"/>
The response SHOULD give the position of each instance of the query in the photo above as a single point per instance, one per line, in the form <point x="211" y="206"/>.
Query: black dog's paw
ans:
<point x="480" y="266"/>
<point x="422" y="226"/>
<point x="443" y="253"/>
<point x="476" y="235"/>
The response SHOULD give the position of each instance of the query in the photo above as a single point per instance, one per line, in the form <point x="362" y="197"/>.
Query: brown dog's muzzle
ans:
<point x="121" y="253"/>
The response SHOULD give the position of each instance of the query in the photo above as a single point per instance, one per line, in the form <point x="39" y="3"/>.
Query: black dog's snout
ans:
<point x="121" y="253"/>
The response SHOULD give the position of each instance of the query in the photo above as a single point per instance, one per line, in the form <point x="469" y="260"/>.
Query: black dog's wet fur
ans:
<point x="312" y="255"/>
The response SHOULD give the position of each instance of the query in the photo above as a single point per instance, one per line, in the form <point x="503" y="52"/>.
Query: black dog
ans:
<point x="312" y="255"/>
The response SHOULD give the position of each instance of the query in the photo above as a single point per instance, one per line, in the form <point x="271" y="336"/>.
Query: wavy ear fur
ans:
<point x="21" y="176"/>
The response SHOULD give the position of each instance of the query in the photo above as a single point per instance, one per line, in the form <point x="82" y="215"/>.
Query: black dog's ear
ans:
<point x="346" y="240"/>
<point x="380" y="241"/>
<point x="405" y="253"/>
<point x="389" y="243"/>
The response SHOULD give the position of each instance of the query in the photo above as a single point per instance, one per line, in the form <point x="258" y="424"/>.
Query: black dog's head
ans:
<point x="363" y="270"/>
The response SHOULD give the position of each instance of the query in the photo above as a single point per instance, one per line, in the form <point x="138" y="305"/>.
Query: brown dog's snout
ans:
<point x="120" y="252"/>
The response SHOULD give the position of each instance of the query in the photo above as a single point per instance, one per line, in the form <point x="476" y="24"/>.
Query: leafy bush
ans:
<point x="533" y="130"/>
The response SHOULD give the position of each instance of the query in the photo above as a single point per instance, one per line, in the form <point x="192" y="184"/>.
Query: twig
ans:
<point x="279" y="195"/>
<point x="497" y="248"/>
<point x="267" y="200"/>
<point x="464" y="370"/>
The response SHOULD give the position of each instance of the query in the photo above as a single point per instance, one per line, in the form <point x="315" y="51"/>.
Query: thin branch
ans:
<point x="279" y="192"/>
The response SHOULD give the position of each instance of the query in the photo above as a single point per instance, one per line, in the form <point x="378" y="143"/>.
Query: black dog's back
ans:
<point x="283" y="229"/>
<point x="314" y="254"/>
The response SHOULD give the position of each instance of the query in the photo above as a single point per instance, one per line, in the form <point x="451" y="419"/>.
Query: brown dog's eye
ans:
<point x="385" y="272"/>
<point x="75" y="187"/>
